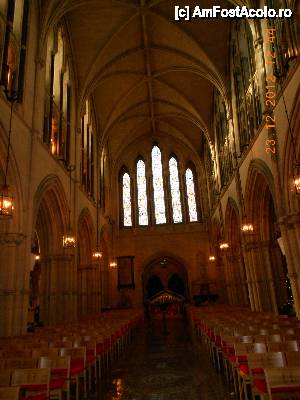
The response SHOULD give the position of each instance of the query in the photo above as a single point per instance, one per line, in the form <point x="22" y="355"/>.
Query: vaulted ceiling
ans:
<point x="147" y="73"/>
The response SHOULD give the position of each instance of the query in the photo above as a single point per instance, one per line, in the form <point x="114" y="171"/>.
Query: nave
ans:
<point x="164" y="365"/>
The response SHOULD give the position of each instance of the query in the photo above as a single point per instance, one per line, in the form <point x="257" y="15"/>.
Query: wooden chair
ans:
<point x="32" y="382"/>
<point x="20" y="363"/>
<point x="292" y="358"/>
<point x="60" y="375"/>
<point x="279" y="383"/>
<point x="255" y="368"/>
<point x="9" y="393"/>
<point x="78" y="366"/>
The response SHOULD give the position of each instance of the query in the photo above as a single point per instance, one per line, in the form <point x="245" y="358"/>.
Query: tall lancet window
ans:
<point x="158" y="187"/>
<point x="126" y="197"/>
<point x="175" y="190"/>
<point x="142" y="192"/>
<point x="191" y="196"/>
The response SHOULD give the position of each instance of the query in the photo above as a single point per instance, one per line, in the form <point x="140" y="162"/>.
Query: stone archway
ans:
<point x="234" y="260"/>
<point x="88" y="272"/>
<point x="57" y="283"/>
<point x="164" y="269"/>
<point x="265" y="259"/>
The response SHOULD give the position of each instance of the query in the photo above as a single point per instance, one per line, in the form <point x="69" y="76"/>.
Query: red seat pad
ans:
<point x="35" y="397"/>
<point x="59" y="371"/>
<point x="77" y="362"/>
<point x="76" y="370"/>
<point x="34" y="387"/>
<point x="261" y="385"/>
<point x="57" y="383"/>
<point x="255" y="371"/>
<point x="90" y="359"/>
<point x="232" y="358"/>
<point x="100" y="348"/>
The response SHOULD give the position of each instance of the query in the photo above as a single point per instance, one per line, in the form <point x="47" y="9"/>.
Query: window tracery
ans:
<point x="191" y="195"/>
<point x="126" y="197"/>
<point x="142" y="193"/>
<point x="158" y="186"/>
<point x="13" y="44"/>
<point x="246" y="84"/>
<point x="57" y="118"/>
<point x="175" y="190"/>
<point x="151" y="202"/>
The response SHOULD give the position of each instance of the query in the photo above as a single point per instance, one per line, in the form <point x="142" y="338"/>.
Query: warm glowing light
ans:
<point x="97" y="255"/>
<point x="212" y="258"/>
<point x="6" y="202"/>
<point x="296" y="184"/>
<point x="37" y="257"/>
<point x="224" y="246"/>
<point x="113" y="264"/>
<point x="69" y="241"/>
<point x="247" y="228"/>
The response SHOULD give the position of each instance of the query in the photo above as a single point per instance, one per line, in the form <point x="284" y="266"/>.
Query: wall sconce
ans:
<point x="212" y="258"/>
<point x="247" y="228"/>
<point x="224" y="246"/>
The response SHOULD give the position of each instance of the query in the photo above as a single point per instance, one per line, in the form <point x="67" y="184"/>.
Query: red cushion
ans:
<point x="76" y="370"/>
<point x="256" y="371"/>
<point x="261" y="385"/>
<point x="232" y="358"/>
<point x="35" y="397"/>
<point x="244" y="368"/>
<point x="243" y="359"/>
<point x="59" y="371"/>
<point x="90" y="358"/>
<point x="57" y="383"/>
<point x="77" y="362"/>
<point x="100" y="348"/>
<point x="35" y="387"/>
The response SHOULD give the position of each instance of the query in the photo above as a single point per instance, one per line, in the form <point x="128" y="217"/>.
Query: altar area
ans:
<point x="165" y="304"/>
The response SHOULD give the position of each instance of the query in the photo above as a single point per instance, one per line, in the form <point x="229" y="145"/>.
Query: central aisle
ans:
<point x="163" y="367"/>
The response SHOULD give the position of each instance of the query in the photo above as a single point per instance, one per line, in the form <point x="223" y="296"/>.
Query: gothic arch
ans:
<point x="86" y="237"/>
<point x="50" y="212"/>
<point x="164" y="267"/>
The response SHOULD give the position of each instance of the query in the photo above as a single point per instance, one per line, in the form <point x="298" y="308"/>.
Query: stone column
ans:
<point x="58" y="292"/>
<point x="14" y="287"/>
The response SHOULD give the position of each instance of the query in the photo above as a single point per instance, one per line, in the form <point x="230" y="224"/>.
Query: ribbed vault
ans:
<point x="146" y="72"/>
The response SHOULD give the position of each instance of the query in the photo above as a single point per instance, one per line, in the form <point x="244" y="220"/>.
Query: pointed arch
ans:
<point x="158" y="186"/>
<point x="191" y="193"/>
<point x="175" y="189"/>
<point x="142" y="200"/>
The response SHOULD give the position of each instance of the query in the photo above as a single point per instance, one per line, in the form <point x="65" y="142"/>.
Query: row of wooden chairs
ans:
<point x="263" y="361"/>
<point x="71" y="354"/>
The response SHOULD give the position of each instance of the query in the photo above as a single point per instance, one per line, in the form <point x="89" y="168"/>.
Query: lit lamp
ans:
<point x="6" y="198"/>
<point x="224" y="246"/>
<point x="295" y="183"/>
<point x="113" y="264"/>
<point x="212" y="258"/>
<point x="69" y="240"/>
<point x="97" y="255"/>
<point x="247" y="228"/>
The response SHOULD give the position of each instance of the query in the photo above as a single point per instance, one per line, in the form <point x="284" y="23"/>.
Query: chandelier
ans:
<point x="6" y="197"/>
<point x="69" y="239"/>
<point x="211" y="258"/>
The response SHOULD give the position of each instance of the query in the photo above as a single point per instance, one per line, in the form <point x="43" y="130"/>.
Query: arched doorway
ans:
<point x="57" y="284"/>
<point x="235" y="264"/>
<point x="270" y="284"/>
<point x="88" y="272"/>
<point x="167" y="278"/>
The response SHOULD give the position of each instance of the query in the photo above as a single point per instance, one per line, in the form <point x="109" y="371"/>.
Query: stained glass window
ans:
<point x="126" y="200"/>
<point x="175" y="190"/>
<point x="158" y="187"/>
<point x="191" y="197"/>
<point x="142" y="192"/>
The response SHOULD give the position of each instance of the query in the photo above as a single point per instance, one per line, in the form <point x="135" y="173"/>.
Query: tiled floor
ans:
<point x="163" y="367"/>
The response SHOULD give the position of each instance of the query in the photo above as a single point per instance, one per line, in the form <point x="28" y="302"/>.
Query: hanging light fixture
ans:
<point x="6" y="197"/>
<point x="113" y="264"/>
<point x="247" y="228"/>
<point x="69" y="240"/>
<point x="211" y="258"/>
<point x="224" y="246"/>
<point x="97" y="255"/>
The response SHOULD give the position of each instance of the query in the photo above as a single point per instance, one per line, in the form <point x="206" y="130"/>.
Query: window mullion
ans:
<point x="183" y="196"/>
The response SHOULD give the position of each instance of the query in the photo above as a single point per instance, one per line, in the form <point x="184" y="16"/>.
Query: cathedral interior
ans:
<point x="149" y="191"/>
